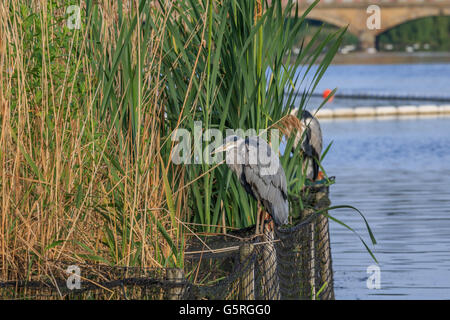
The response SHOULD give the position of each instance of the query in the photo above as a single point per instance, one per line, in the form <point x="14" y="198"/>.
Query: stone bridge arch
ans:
<point x="332" y="19"/>
<point x="354" y="15"/>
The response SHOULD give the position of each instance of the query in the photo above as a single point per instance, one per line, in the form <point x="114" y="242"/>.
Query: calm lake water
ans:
<point x="397" y="172"/>
<point x="421" y="79"/>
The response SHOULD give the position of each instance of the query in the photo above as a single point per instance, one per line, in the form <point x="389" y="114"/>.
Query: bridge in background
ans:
<point x="354" y="14"/>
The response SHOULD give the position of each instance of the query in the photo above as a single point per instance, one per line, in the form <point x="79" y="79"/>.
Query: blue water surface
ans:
<point x="424" y="79"/>
<point x="397" y="172"/>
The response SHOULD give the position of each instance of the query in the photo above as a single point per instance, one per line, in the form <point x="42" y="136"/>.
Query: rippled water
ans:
<point x="397" y="172"/>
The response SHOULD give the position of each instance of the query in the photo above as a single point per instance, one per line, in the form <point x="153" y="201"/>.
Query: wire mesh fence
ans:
<point x="279" y="263"/>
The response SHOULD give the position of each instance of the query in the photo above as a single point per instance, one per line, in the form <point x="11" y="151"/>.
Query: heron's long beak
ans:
<point x="222" y="148"/>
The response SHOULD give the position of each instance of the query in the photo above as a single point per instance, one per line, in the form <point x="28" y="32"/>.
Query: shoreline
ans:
<point x="383" y="57"/>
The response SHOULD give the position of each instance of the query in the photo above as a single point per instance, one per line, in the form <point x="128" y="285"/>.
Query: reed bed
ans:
<point x="87" y="117"/>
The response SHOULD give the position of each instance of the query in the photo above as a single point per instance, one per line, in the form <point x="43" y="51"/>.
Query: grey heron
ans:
<point x="260" y="172"/>
<point x="307" y="131"/>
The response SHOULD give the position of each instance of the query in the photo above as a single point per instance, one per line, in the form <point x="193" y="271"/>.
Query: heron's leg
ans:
<point x="269" y="225"/>
<point x="264" y="215"/>
<point x="258" y="214"/>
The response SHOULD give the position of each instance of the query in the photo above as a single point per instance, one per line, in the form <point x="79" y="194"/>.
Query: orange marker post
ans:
<point x="326" y="93"/>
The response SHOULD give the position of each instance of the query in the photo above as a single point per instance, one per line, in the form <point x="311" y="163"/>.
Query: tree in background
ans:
<point x="431" y="33"/>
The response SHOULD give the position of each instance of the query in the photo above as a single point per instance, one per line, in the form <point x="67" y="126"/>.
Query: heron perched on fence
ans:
<point x="307" y="131"/>
<point x="260" y="172"/>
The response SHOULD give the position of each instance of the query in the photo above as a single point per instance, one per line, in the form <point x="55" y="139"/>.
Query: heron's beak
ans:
<point x="222" y="148"/>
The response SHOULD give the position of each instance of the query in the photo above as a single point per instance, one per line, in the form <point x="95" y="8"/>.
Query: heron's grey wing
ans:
<point x="307" y="148"/>
<point x="278" y="180"/>
<point x="272" y="198"/>
<point x="252" y="170"/>
<point x="314" y="132"/>
<point x="316" y="136"/>
<point x="312" y="145"/>
<point x="271" y="189"/>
